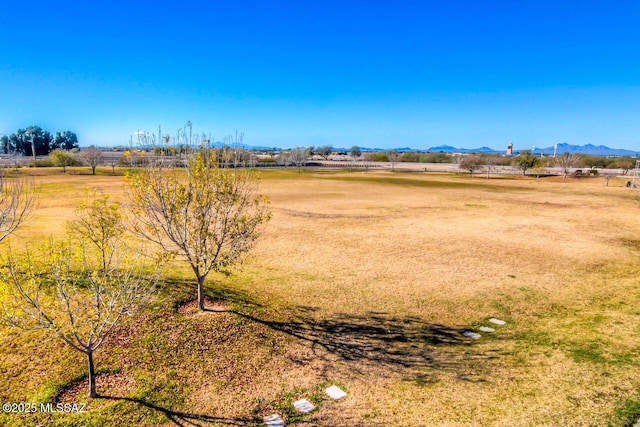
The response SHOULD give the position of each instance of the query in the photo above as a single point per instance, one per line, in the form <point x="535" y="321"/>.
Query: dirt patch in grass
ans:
<point x="113" y="385"/>
<point x="211" y="305"/>
<point x="305" y="214"/>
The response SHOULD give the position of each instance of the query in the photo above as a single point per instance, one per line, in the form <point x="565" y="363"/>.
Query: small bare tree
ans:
<point x="471" y="163"/>
<point x="17" y="199"/>
<point x="92" y="156"/>
<point x="210" y="217"/>
<point x="393" y="157"/>
<point x="565" y="162"/>
<point x="241" y="157"/>
<point x="490" y="162"/>
<point x="64" y="291"/>
<point x="284" y="158"/>
<point x="299" y="157"/>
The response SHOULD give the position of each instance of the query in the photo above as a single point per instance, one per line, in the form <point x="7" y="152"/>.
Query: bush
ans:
<point x="379" y="157"/>
<point x="266" y="160"/>
<point x="410" y="157"/>
<point x="436" y="158"/>
<point x="42" y="163"/>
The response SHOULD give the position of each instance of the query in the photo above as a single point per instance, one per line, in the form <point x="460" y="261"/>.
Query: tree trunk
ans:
<point x="201" y="293"/>
<point x="93" y="170"/>
<point x="33" y="151"/>
<point x="92" y="375"/>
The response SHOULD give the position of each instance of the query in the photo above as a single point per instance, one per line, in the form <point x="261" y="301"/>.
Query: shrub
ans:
<point x="410" y="156"/>
<point x="436" y="158"/>
<point x="379" y="157"/>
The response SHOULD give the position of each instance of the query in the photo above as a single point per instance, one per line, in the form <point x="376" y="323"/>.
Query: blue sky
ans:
<point x="298" y="73"/>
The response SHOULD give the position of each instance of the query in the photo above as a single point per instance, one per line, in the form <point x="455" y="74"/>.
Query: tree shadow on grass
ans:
<point x="185" y="418"/>
<point x="184" y="290"/>
<point x="406" y="345"/>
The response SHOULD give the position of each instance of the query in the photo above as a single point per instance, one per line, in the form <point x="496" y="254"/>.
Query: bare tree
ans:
<point x="232" y="153"/>
<point x="92" y="156"/>
<point x="470" y="163"/>
<point x="239" y="157"/>
<point x="566" y="161"/>
<point x="490" y="162"/>
<point x="284" y="158"/>
<point x="298" y="157"/>
<point x="68" y="291"/>
<point x="17" y="199"/>
<point x="211" y="217"/>
<point x="393" y="157"/>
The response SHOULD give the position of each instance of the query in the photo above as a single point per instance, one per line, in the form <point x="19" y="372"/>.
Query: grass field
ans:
<point x="367" y="281"/>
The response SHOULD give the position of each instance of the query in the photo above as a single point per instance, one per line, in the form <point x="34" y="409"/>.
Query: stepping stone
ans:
<point x="304" y="406"/>
<point x="335" y="392"/>
<point x="273" y="420"/>
<point x="486" y="329"/>
<point x="471" y="335"/>
<point x="497" y="321"/>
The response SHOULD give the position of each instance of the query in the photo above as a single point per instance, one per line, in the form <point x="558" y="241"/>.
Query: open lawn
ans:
<point x="367" y="281"/>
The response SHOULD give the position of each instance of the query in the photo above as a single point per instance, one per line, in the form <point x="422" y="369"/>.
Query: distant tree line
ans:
<point x="624" y="163"/>
<point x="411" y="156"/>
<point x="24" y="141"/>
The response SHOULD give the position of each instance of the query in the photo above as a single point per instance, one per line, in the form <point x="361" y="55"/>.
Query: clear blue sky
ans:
<point x="298" y="73"/>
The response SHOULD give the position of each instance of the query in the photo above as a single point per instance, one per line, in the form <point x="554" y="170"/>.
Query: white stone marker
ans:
<point x="304" y="406"/>
<point x="471" y="335"/>
<point x="273" y="420"/>
<point x="335" y="392"/>
<point x="486" y="329"/>
<point x="497" y="321"/>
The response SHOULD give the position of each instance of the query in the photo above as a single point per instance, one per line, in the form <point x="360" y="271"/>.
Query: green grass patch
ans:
<point x="587" y="352"/>
<point x="628" y="414"/>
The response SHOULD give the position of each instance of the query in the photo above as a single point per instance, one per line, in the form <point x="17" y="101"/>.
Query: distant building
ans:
<point x="510" y="149"/>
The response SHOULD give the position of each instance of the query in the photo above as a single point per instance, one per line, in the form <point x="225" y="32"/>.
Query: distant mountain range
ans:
<point x="590" y="149"/>
<point x="599" y="150"/>
<point x="450" y="149"/>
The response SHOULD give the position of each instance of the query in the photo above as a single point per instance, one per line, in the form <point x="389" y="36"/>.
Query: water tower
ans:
<point x="510" y="149"/>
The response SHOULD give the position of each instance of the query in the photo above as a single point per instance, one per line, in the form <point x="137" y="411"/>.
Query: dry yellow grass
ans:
<point x="557" y="259"/>
<point x="371" y="278"/>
